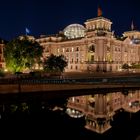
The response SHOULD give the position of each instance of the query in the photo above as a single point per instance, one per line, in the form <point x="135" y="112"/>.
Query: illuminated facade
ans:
<point x="90" y="47"/>
<point x="93" y="47"/>
<point x="2" y="62"/>
<point x="99" y="109"/>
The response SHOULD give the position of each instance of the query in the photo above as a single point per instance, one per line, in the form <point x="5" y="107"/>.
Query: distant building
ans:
<point x="2" y="62"/>
<point x="93" y="47"/>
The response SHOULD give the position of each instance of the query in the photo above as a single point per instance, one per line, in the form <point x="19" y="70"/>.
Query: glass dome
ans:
<point x="74" y="31"/>
<point x="74" y="113"/>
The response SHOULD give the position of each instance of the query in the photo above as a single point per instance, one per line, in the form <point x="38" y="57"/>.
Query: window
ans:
<point x="77" y="49"/>
<point x="72" y="60"/>
<point x="92" y="48"/>
<point x="119" y="49"/>
<point x="63" y="50"/>
<point x="77" y="60"/>
<point x="108" y="48"/>
<point x="92" y="57"/>
<point x="76" y="54"/>
<point x="125" y="50"/>
<point x="72" y="49"/>
<point x="93" y="27"/>
<point x="67" y="50"/>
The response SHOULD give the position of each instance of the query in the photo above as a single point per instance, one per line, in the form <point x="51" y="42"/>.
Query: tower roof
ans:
<point x="99" y="18"/>
<point x="130" y="33"/>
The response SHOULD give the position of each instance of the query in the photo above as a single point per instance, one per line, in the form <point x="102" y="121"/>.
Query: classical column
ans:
<point x="100" y="104"/>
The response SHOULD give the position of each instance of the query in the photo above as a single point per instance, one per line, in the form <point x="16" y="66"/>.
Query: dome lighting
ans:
<point x="74" y="31"/>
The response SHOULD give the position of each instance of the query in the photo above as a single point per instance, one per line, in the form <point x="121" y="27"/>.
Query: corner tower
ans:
<point x="98" y="26"/>
<point x="133" y="35"/>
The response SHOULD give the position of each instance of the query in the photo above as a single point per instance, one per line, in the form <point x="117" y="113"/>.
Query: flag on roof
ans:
<point x="27" y="30"/>
<point x="99" y="11"/>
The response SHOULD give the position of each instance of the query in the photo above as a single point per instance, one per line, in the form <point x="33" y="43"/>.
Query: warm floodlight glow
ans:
<point x="5" y="70"/>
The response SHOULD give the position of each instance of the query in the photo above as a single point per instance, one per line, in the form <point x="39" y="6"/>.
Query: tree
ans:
<point x="125" y="66"/>
<point x="21" y="53"/>
<point x="55" y="63"/>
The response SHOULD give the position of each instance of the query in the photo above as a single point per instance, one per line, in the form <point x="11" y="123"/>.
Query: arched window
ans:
<point x="77" y="49"/>
<point x="92" y="48"/>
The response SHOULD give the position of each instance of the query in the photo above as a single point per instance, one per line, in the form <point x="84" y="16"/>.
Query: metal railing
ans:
<point x="96" y="80"/>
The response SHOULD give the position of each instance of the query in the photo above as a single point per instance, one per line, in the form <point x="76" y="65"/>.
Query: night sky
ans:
<point x="51" y="16"/>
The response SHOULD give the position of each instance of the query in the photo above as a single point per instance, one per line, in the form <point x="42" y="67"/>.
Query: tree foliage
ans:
<point x="132" y="66"/>
<point x="125" y="66"/>
<point x="21" y="53"/>
<point x="55" y="63"/>
<point x="135" y="66"/>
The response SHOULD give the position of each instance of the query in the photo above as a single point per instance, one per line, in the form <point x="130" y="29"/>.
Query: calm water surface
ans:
<point x="41" y="122"/>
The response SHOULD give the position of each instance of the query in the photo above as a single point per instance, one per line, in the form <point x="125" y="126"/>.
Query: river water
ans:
<point x="50" y="120"/>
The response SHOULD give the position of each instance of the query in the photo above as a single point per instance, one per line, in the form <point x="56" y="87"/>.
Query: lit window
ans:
<point x="72" y="49"/>
<point x="77" y="49"/>
<point x="63" y="50"/>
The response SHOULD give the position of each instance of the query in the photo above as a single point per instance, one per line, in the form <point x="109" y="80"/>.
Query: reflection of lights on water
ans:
<point x="131" y="95"/>
<point x="57" y="108"/>
<point x="73" y="99"/>
<point x="43" y="107"/>
<point x="134" y="103"/>
<point x="74" y="113"/>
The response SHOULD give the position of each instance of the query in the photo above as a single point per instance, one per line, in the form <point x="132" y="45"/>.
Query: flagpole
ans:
<point x="25" y="32"/>
<point x="132" y="25"/>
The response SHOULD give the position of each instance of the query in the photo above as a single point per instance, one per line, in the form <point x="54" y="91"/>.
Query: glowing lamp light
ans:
<point x="5" y="70"/>
<point x="131" y="42"/>
<point x="129" y="103"/>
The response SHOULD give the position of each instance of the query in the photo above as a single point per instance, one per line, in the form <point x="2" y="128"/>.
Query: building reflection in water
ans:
<point x="99" y="109"/>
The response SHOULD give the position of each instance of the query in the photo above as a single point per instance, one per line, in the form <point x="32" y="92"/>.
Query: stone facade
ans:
<point x="2" y="62"/>
<point x="93" y="47"/>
